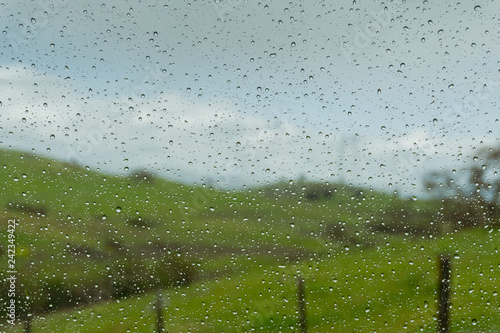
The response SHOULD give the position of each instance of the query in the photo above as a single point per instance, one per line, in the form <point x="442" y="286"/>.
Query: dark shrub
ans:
<point x="131" y="276"/>
<point x="143" y="176"/>
<point x="35" y="210"/>
<point x="139" y="222"/>
<point x="57" y="294"/>
<point x="318" y="191"/>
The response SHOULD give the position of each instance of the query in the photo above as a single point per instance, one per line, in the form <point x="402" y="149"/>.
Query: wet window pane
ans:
<point x="238" y="166"/>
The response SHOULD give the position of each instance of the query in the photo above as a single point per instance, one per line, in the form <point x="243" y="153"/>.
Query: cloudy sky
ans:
<point x="241" y="92"/>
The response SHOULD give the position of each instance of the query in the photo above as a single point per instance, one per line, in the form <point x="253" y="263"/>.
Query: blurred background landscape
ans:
<point x="93" y="250"/>
<point x="194" y="160"/>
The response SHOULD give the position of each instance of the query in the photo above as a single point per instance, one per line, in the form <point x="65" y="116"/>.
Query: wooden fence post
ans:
<point x="159" y="314"/>
<point x="302" y="305"/>
<point x="27" y="324"/>
<point x="444" y="291"/>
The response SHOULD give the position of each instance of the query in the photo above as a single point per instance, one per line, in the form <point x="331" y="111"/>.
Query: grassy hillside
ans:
<point x="387" y="289"/>
<point x="228" y="260"/>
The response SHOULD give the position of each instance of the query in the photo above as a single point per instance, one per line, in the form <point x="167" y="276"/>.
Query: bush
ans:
<point x="403" y="221"/>
<point x="34" y="210"/>
<point x="131" y="276"/>
<point x="464" y="212"/>
<point x="143" y="176"/>
<point x="349" y="235"/>
<point x="56" y="294"/>
<point x="139" y="222"/>
<point x="316" y="192"/>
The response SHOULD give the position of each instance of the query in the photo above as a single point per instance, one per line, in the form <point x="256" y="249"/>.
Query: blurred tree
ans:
<point x="484" y="177"/>
<point x="470" y="198"/>
<point x="142" y="175"/>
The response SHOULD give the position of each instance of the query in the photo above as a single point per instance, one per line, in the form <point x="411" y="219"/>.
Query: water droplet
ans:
<point x="33" y="20"/>
<point x="477" y="8"/>
<point x="118" y="209"/>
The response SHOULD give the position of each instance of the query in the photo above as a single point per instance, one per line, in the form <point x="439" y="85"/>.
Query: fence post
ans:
<point x="444" y="291"/>
<point x="159" y="314"/>
<point x="27" y="324"/>
<point x="302" y="305"/>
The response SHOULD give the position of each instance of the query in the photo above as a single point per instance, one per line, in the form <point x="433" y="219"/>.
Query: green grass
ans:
<point x="247" y="247"/>
<point x="386" y="289"/>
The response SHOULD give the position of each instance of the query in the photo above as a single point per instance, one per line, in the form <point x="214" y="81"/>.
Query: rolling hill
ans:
<point x="92" y="251"/>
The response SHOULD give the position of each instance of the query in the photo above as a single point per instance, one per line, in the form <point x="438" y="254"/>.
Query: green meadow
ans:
<point x="94" y="251"/>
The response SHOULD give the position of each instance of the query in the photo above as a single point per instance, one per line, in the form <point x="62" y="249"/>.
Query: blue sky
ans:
<point x="373" y="93"/>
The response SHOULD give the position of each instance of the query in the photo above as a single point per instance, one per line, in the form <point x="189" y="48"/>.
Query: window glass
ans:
<point x="236" y="166"/>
